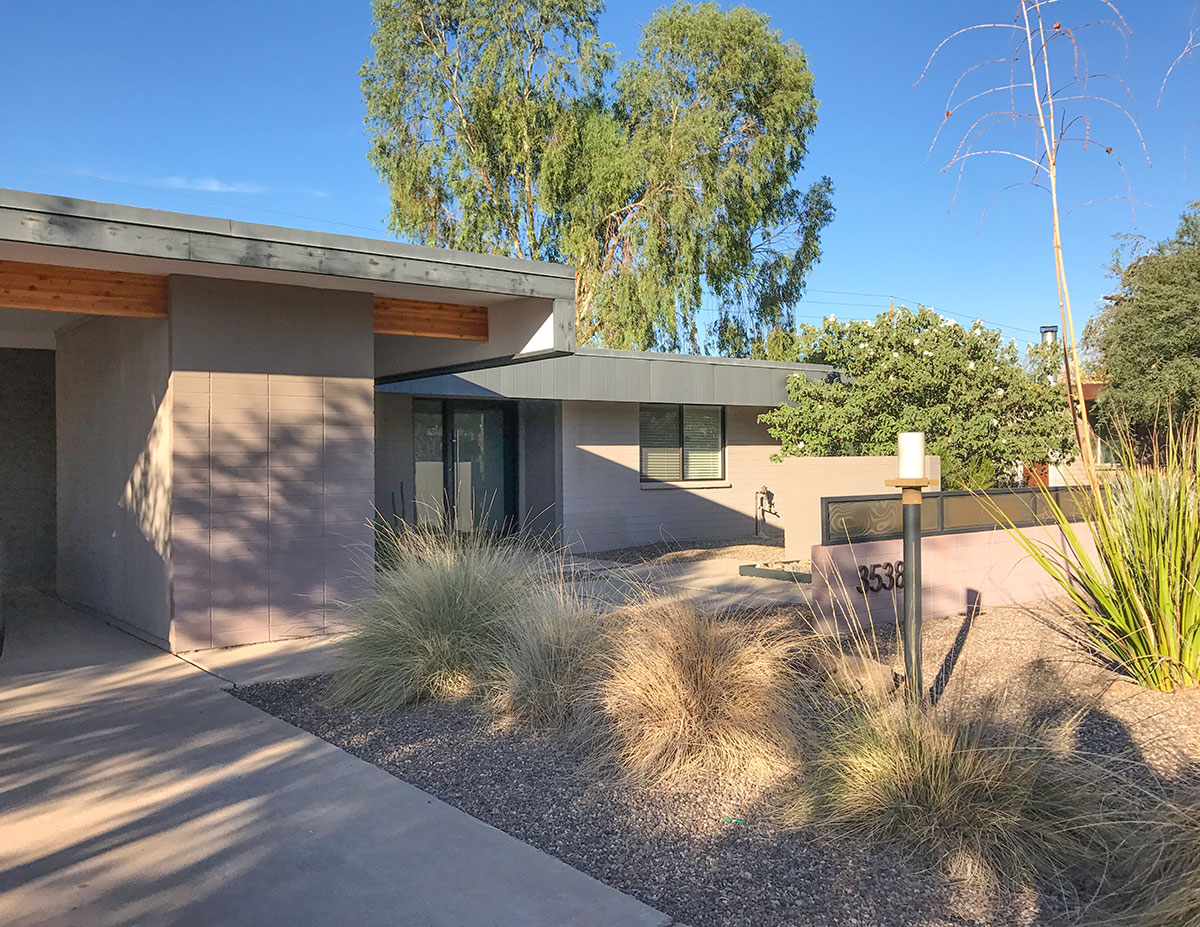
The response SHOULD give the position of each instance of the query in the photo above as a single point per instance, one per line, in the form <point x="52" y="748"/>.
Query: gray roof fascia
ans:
<point x="741" y="363"/>
<point x="623" y="376"/>
<point x="43" y="219"/>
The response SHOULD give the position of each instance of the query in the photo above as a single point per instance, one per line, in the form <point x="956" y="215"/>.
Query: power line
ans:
<point x="1000" y="325"/>
<point x="1003" y="326"/>
<point x="961" y="315"/>
<point x="375" y="230"/>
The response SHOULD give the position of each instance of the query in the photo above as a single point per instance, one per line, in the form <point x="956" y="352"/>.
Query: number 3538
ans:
<point x="880" y="577"/>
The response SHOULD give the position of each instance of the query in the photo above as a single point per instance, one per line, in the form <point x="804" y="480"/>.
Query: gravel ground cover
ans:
<point x="712" y="856"/>
<point x="704" y="857"/>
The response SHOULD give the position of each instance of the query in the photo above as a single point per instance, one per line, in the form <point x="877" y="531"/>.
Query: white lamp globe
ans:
<point x="912" y="455"/>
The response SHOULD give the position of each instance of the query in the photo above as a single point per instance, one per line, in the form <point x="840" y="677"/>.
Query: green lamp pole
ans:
<point x="911" y="480"/>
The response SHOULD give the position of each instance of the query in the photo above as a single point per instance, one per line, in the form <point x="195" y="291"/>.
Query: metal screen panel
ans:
<point x="962" y="512"/>
<point x="878" y="517"/>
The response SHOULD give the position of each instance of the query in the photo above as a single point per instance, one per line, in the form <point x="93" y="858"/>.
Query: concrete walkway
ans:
<point x="713" y="584"/>
<point x="716" y="584"/>
<point x="133" y="790"/>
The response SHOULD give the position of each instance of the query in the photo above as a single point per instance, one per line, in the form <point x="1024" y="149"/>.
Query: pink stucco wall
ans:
<point x="973" y="569"/>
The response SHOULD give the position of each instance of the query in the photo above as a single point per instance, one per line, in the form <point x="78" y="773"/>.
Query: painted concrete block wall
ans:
<point x="27" y="464"/>
<point x="394" y="455"/>
<point x="114" y="470"/>
<point x="274" y="459"/>
<point x="807" y="480"/>
<point x="605" y="505"/>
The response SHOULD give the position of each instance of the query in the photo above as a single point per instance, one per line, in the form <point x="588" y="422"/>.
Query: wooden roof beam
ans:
<point x="54" y="288"/>
<point x="430" y="319"/>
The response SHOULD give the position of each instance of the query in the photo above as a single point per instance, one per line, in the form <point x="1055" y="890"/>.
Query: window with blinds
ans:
<point x="682" y="442"/>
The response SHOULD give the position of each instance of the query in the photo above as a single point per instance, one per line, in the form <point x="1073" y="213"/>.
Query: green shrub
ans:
<point x="431" y="617"/>
<point x="1139" y="598"/>
<point x="685" y="694"/>
<point x="549" y="651"/>
<point x="970" y="797"/>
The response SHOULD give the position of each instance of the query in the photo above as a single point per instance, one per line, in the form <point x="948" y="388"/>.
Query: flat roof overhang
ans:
<point x="622" y="376"/>
<point x="38" y="228"/>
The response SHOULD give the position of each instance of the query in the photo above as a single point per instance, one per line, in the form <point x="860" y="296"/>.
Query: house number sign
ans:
<point x="880" y="577"/>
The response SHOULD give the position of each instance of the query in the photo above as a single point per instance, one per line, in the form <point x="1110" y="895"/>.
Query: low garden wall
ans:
<point x="960" y="573"/>
<point x="805" y="481"/>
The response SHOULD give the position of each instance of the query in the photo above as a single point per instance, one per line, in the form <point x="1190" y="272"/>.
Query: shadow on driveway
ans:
<point x="136" y="791"/>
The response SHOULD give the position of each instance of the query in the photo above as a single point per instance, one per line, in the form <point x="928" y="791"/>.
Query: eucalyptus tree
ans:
<point x="668" y="181"/>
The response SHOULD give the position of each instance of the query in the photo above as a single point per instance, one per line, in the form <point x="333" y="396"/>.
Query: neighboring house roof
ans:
<point x="108" y="236"/>
<point x="623" y="376"/>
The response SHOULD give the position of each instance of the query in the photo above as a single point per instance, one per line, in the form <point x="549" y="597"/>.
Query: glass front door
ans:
<point x="465" y="460"/>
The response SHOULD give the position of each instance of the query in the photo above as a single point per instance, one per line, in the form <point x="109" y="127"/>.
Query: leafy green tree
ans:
<point x="504" y="128"/>
<point x="983" y="411"/>
<point x="1148" y="334"/>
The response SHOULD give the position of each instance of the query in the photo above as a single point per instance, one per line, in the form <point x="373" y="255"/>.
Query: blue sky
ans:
<point x="252" y="111"/>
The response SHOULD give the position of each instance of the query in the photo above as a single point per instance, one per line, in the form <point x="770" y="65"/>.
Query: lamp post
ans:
<point x="911" y="480"/>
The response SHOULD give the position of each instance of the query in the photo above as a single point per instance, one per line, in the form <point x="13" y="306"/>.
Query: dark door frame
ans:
<point x="509" y="520"/>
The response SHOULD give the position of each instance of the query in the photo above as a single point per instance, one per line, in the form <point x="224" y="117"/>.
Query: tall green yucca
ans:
<point x="1139" y="597"/>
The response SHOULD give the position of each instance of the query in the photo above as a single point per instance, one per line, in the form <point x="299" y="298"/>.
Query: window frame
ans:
<point x="679" y="444"/>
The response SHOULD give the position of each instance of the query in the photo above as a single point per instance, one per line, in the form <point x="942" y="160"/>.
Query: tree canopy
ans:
<point x="982" y="408"/>
<point x="1147" y="336"/>
<point x="669" y="181"/>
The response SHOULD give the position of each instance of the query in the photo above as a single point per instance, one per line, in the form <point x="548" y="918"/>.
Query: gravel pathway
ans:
<point x="707" y="859"/>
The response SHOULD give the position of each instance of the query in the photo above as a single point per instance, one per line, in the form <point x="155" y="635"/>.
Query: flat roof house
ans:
<point x="202" y="416"/>
<point x="606" y="448"/>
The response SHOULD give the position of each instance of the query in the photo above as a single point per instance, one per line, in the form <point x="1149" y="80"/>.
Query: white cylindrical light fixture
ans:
<point x="912" y="455"/>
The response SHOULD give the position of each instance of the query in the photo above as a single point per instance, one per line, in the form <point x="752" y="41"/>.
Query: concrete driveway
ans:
<point x="134" y="790"/>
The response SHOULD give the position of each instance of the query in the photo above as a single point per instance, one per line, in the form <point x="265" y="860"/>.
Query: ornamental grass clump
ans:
<point x="1138" y="598"/>
<point x="1162" y="886"/>
<point x="685" y="694"/>
<point x="548" y="653"/>
<point x="975" y="799"/>
<point x="431" y="617"/>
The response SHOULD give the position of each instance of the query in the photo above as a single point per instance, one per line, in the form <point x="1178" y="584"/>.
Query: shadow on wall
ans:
<point x="966" y="569"/>
<point x="607" y="506"/>
<point x="27" y="465"/>
<point x="147" y="495"/>
<point x="272" y="496"/>
<point x="113" y="440"/>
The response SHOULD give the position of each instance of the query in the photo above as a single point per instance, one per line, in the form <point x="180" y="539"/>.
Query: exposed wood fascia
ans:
<point x="55" y="288"/>
<point x="430" y="319"/>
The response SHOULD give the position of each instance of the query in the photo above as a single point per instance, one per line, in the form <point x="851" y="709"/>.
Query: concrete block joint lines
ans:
<point x="270" y="503"/>
<point x="274" y="473"/>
